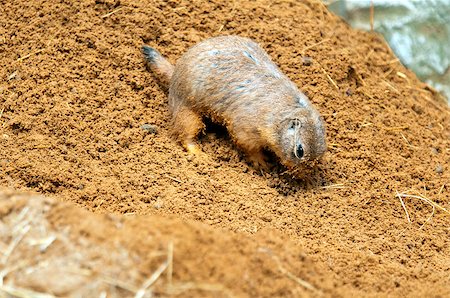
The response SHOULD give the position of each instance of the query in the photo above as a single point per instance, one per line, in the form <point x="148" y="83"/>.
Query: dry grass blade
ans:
<point x="428" y="219"/>
<point x="334" y="145"/>
<point x="330" y="79"/>
<point x="314" y="45"/>
<point x="170" y="262"/>
<point x="14" y="244"/>
<point x="10" y="291"/>
<point x="334" y="186"/>
<point x="112" y="12"/>
<point x="407" y="142"/>
<point x="359" y="77"/>
<point x="388" y="73"/>
<point x="43" y="243"/>
<point x="179" y="288"/>
<point x="389" y="62"/>
<point x="367" y="94"/>
<point x="396" y="128"/>
<point x="425" y="199"/>
<point x="391" y="87"/>
<point x="402" y="75"/>
<point x="21" y="215"/>
<point x="12" y="76"/>
<point x="119" y="284"/>
<point x="290" y="275"/>
<point x="4" y="272"/>
<point x="298" y="280"/>
<point x="98" y="206"/>
<point x="152" y="279"/>
<point x="366" y="124"/>
<point x="174" y="179"/>
<point x="404" y="206"/>
<point x="441" y="189"/>
<point x="370" y="54"/>
<point x="29" y="55"/>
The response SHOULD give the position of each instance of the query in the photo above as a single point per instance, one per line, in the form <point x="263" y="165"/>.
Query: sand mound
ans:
<point x="58" y="249"/>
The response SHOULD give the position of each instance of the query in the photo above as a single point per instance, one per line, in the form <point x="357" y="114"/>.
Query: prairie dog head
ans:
<point x="301" y="133"/>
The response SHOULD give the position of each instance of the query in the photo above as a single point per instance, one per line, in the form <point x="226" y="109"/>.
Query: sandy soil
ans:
<point x="66" y="251"/>
<point x="74" y="95"/>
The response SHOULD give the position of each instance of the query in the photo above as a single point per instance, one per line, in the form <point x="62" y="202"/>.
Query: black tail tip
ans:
<point x="150" y="53"/>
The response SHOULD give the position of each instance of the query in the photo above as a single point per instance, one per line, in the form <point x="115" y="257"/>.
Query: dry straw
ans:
<point x="289" y="274"/>
<point x="422" y="198"/>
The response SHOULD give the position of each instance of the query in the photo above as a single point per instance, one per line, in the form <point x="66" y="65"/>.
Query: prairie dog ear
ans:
<point x="301" y="100"/>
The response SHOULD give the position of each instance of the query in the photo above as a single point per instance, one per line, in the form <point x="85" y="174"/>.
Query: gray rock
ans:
<point x="150" y="128"/>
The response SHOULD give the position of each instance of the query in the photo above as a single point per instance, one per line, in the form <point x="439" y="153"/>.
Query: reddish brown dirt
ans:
<point x="74" y="94"/>
<point x="91" y="253"/>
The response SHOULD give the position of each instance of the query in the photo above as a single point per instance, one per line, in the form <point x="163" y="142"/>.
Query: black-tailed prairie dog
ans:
<point x="233" y="81"/>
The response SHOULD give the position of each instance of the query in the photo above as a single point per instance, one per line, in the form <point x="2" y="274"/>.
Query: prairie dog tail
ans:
<point x="159" y="65"/>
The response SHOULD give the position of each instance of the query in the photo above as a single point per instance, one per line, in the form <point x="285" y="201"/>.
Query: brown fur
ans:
<point x="234" y="82"/>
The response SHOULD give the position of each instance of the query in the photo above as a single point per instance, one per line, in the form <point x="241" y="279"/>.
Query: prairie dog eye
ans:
<point x="299" y="151"/>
